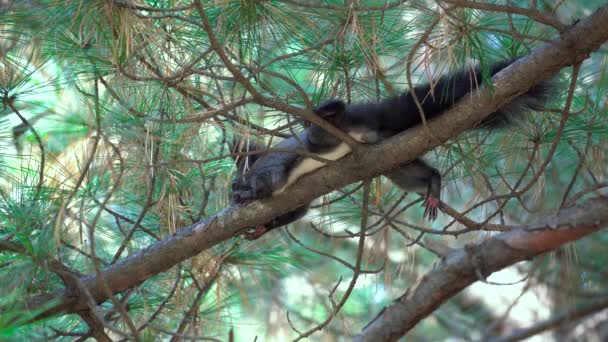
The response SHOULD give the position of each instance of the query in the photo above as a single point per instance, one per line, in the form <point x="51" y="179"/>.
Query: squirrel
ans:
<point x="271" y="173"/>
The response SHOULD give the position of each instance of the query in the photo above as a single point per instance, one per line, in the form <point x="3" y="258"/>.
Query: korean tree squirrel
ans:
<point x="263" y="175"/>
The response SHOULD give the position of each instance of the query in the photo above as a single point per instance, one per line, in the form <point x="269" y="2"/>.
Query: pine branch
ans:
<point x="571" y="47"/>
<point x="556" y="320"/>
<point x="465" y="266"/>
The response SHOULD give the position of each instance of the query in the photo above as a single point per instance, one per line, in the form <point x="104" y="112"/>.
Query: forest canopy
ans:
<point x="118" y="127"/>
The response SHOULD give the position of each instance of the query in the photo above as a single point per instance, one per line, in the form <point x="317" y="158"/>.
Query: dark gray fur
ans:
<point x="375" y="121"/>
<point x="242" y="164"/>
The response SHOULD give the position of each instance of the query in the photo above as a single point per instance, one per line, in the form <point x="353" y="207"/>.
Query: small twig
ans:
<point x="356" y="271"/>
<point x="27" y="124"/>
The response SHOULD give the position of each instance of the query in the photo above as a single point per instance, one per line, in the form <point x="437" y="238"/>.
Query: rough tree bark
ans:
<point x="463" y="267"/>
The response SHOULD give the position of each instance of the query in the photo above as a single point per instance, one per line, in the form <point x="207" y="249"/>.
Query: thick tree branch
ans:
<point x="573" y="45"/>
<point x="465" y="266"/>
<point x="575" y="313"/>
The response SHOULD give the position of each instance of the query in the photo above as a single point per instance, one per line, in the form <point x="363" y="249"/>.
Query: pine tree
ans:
<point x="115" y="168"/>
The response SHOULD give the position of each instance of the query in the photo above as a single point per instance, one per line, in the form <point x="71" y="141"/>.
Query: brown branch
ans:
<point x="353" y="7"/>
<point x="530" y="13"/>
<point x="130" y="5"/>
<point x="543" y="62"/>
<point x="463" y="267"/>
<point x="96" y="327"/>
<point x="356" y="270"/>
<point x="272" y="103"/>
<point x="29" y="126"/>
<point x="13" y="247"/>
<point x="553" y="322"/>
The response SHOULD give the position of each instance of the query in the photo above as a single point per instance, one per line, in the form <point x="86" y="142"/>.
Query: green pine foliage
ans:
<point x="115" y="122"/>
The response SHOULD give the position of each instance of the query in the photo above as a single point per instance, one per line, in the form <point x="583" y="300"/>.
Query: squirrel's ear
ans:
<point x="331" y="110"/>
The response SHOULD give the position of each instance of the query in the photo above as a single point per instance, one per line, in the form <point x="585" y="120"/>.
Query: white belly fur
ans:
<point x="309" y="165"/>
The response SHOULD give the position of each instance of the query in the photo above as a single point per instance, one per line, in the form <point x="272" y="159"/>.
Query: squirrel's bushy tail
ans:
<point x="448" y="89"/>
